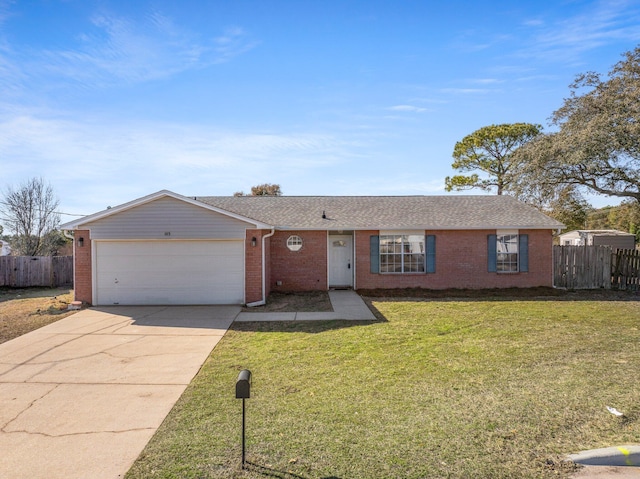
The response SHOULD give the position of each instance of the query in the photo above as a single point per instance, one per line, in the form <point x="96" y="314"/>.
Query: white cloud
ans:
<point x="232" y="43"/>
<point x="533" y="22"/>
<point x="114" y="49"/>
<point x="604" y="23"/>
<point x="407" y="108"/>
<point x="81" y="158"/>
<point x="486" y="81"/>
<point x="466" y="91"/>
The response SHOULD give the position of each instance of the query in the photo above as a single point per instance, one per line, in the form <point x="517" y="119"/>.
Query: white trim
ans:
<point x="327" y="265"/>
<point x="418" y="228"/>
<point x="354" y="262"/>
<point x="401" y="232"/>
<point x="152" y="197"/>
<point x="94" y="272"/>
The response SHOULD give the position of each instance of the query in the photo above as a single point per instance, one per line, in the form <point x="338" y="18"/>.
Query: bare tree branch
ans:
<point x="29" y="211"/>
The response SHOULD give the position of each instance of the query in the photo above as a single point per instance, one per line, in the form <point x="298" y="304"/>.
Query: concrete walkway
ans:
<point x="80" y="398"/>
<point x="347" y="304"/>
<point x="621" y="462"/>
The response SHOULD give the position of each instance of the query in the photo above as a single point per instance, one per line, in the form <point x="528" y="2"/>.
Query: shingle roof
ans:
<point x="386" y="212"/>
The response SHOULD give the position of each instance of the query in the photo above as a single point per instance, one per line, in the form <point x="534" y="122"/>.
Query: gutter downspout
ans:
<point x="263" y="301"/>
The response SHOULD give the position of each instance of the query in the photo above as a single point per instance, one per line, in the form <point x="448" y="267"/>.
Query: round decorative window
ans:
<point x="294" y="243"/>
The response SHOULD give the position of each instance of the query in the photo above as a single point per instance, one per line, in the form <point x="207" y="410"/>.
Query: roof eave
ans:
<point x="72" y="225"/>
<point x="419" y="227"/>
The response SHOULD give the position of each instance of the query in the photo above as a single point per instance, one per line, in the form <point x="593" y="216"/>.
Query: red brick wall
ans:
<point x="303" y="270"/>
<point x="82" y="267"/>
<point x="253" y="266"/>
<point x="461" y="262"/>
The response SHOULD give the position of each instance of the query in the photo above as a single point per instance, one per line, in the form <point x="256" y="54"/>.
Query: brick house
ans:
<point x="166" y="248"/>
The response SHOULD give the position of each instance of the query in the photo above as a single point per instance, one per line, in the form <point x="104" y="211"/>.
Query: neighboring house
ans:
<point x="615" y="239"/>
<point x="5" y="249"/>
<point x="170" y="249"/>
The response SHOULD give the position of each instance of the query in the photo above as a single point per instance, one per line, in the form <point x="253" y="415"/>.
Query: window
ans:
<point x="402" y="253"/>
<point x="507" y="253"/>
<point x="294" y="243"/>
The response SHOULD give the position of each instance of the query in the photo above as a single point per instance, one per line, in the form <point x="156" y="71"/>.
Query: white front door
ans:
<point x="340" y="260"/>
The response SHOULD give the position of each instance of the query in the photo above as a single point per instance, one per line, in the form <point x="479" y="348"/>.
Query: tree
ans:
<point x="266" y="189"/>
<point x="489" y="150"/>
<point x="30" y="213"/>
<point x="597" y="145"/>
<point x="569" y="208"/>
<point x="624" y="217"/>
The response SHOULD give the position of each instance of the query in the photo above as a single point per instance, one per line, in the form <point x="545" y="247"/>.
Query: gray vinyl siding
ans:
<point x="168" y="215"/>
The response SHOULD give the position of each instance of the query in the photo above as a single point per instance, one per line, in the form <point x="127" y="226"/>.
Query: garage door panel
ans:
<point x="176" y="272"/>
<point x="172" y="266"/>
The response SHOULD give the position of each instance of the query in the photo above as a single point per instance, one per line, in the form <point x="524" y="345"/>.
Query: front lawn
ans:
<point x="441" y="389"/>
<point x="25" y="309"/>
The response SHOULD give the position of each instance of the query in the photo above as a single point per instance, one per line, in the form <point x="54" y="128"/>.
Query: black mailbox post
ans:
<point x="243" y="391"/>
<point x="243" y="385"/>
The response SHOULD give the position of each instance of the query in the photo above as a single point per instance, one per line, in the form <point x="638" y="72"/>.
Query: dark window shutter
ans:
<point x="431" y="253"/>
<point x="523" y="253"/>
<point x="492" y="253"/>
<point x="375" y="254"/>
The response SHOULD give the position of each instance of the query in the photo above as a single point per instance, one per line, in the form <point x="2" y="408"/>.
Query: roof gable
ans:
<point x="111" y="212"/>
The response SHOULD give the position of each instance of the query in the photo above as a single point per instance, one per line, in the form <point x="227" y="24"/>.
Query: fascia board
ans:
<point x="152" y="197"/>
<point x="421" y="227"/>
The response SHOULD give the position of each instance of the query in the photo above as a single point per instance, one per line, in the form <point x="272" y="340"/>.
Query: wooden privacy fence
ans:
<point x="594" y="267"/>
<point x="28" y="271"/>
<point x="625" y="269"/>
<point x="582" y="267"/>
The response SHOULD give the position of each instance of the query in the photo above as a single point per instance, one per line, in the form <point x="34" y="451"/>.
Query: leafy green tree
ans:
<point x="624" y="217"/>
<point x="569" y="208"/>
<point x="597" y="144"/>
<point x="30" y="213"/>
<point x="489" y="150"/>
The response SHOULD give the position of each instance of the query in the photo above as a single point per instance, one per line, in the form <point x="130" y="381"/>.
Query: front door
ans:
<point x="340" y="260"/>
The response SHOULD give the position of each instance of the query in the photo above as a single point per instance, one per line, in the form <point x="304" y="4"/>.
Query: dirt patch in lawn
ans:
<point x="24" y="310"/>
<point x="301" y="302"/>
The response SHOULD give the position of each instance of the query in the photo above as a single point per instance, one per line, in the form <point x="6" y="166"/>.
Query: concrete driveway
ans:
<point x="80" y="398"/>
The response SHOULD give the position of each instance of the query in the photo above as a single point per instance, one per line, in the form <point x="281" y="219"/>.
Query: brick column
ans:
<point x="253" y="266"/>
<point x="82" y="268"/>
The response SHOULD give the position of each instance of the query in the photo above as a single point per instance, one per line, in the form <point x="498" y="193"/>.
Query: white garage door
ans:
<point x="169" y="272"/>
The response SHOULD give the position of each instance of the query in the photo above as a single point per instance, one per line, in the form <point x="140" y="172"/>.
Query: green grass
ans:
<point x="478" y="389"/>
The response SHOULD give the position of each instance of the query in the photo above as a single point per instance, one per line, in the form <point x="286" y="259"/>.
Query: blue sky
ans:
<point x="112" y="100"/>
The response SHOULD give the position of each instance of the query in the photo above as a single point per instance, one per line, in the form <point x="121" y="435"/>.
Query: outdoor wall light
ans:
<point x="81" y="241"/>
<point x="254" y="241"/>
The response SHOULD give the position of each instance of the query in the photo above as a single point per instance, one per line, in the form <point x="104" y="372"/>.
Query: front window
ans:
<point x="294" y="243"/>
<point x="507" y="250"/>
<point x="402" y="253"/>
